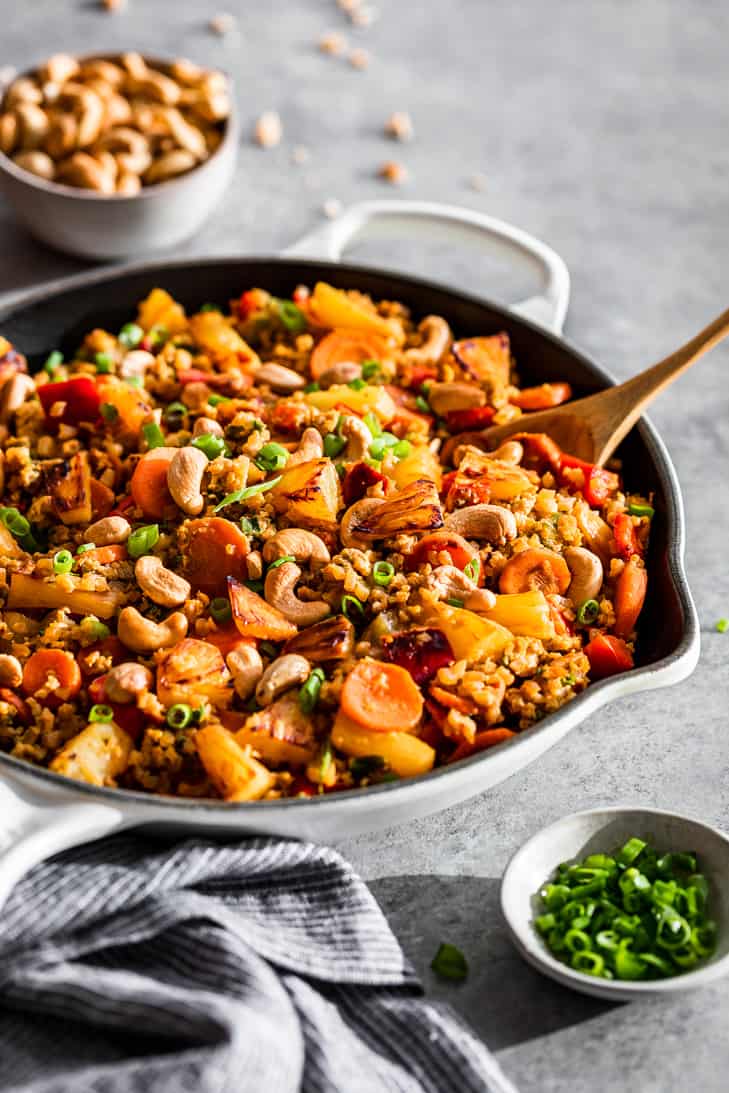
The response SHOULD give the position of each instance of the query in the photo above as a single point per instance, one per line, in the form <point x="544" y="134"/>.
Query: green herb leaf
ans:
<point x="450" y="963"/>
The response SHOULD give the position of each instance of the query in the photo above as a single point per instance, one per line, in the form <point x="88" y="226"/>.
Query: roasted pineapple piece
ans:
<point x="194" y="672"/>
<point x="98" y="754"/>
<point x="421" y="463"/>
<point x="234" y="772"/>
<point x="470" y="636"/>
<point x="159" y="309"/>
<point x="416" y="508"/>
<point x="27" y="591"/>
<point x="68" y="481"/>
<point x="404" y="753"/>
<point x="524" y="613"/>
<point x="281" y="732"/>
<point x="309" y="494"/>
<point x="487" y="360"/>
<point x="215" y="335"/>
<point x="332" y="307"/>
<point x="254" y="617"/>
<point x="371" y="399"/>
<point x="330" y="639"/>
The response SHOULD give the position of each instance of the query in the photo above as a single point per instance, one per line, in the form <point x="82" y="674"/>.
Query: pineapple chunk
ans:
<point x="236" y="775"/>
<point x="404" y="753"/>
<point x="9" y="547"/>
<point x="525" y="614"/>
<point x="332" y="307"/>
<point x="309" y="494"/>
<point x="421" y="463"/>
<point x="370" y="399"/>
<point x="159" y="309"/>
<point x="194" y="672"/>
<point x="214" y="334"/>
<point x="254" y="617"/>
<point x="98" y="754"/>
<point x="27" y="591"/>
<point x="68" y="481"/>
<point x="281" y="732"/>
<point x="470" y="636"/>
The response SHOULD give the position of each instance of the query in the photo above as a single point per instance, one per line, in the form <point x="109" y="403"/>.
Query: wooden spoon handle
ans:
<point x="629" y="399"/>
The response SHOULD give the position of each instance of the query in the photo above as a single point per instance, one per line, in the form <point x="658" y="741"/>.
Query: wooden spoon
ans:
<point x="591" y="428"/>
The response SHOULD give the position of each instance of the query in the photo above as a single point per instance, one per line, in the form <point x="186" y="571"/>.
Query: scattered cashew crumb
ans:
<point x="477" y="181"/>
<point x="334" y="42"/>
<point x="359" y="58"/>
<point x="114" y="5"/>
<point x="300" y="155"/>
<point x="269" y="130"/>
<point x="348" y="5"/>
<point x="331" y="208"/>
<point x="223" y="23"/>
<point x="399" y="126"/>
<point x="393" y="172"/>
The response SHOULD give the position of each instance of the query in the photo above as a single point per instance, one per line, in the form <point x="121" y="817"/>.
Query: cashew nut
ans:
<point x="128" y="184"/>
<point x="358" y="436"/>
<point x="494" y="523"/>
<point x="11" y="671"/>
<point x="438" y="337"/>
<point x="62" y="136"/>
<point x="587" y="574"/>
<point x="449" y="582"/>
<point x="155" y="86"/>
<point x="135" y="363"/>
<point x="59" y="68"/>
<point x="184" y="479"/>
<point x="169" y="166"/>
<point x="130" y="148"/>
<point x="125" y="681"/>
<point x="246" y="668"/>
<point x="13" y="394"/>
<point x="88" y="108"/>
<point x="444" y="397"/>
<point x="160" y="584"/>
<point x="205" y="426"/>
<point x="511" y="451"/>
<point x="297" y="543"/>
<point x="254" y="565"/>
<point x="102" y="70"/>
<point x="85" y="171"/>
<point x="280" y="591"/>
<point x="342" y="372"/>
<point x="279" y="378"/>
<point x="111" y="529"/>
<point x="281" y="675"/>
<point x="185" y="134"/>
<point x="9" y="133"/>
<point x="145" y="636"/>
<point x="353" y="517"/>
<point x="33" y="124"/>
<point x="22" y="90"/>
<point x="38" y="163"/>
<point x="311" y="446"/>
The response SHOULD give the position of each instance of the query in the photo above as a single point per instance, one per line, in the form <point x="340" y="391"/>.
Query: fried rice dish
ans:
<point x="263" y="550"/>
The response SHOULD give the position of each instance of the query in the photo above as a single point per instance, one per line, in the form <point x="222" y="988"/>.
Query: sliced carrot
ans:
<point x="19" y="705"/>
<point x="149" y="483"/>
<point x="105" y="555"/>
<point x="481" y="741"/>
<point x="540" y="451"/>
<point x="543" y="397"/>
<point x="608" y="656"/>
<point x="535" y="569"/>
<point x="382" y="697"/>
<point x="216" y="549"/>
<point x="345" y="345"/>
<point x="630" y="590"/>
<point x="432" y="546"/>
<point x="56" y="662"/>
<point x="453" y="702"/>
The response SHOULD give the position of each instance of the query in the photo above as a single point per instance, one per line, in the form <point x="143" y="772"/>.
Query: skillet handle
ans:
<point x="547" y="308"/>
<point x="38" y="820"/>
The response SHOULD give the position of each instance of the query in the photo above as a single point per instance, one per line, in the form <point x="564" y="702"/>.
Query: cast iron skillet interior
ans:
<point x="60" y="319"/>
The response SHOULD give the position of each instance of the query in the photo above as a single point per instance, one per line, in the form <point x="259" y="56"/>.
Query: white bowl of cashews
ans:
<point x="116" y="155"/>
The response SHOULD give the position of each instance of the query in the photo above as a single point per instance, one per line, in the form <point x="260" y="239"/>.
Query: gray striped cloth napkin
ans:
<point x="263" y="966"/>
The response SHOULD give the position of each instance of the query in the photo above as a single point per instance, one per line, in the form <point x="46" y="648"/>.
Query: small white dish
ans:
<point x="603" y="830"/>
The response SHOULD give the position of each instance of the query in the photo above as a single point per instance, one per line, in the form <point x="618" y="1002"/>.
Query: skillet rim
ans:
<point x="677" y="665"/>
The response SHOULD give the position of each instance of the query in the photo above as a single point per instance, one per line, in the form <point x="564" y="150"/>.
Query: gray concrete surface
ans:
<point x="600" y="126"/>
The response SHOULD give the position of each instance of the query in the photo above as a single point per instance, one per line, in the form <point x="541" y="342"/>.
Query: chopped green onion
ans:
<point x="85" y="547"/>
<point x="309" y="693"/>
<point x="220" y="609"/>
<point x="382" y="573"/>
<point x="333" y="445"/>
<point x="357" y="384"/>
<point x="311" y="387"/>
<point x="588" y="962"/>
<point x="174" y="410"/>
<point x="211" y="445"/>
<point x="256" y="586"/>
<point x="109" y="412"/>
<point x="153" y="435"/>
<point x="449" y="963"/>
<point x="371" y="369"/>
<point x="131" y="335"/>
<point x="422" y="405"/>
<point x="243" y="494"/>
<point x="179" y="716"/>
<point x="272" y="457"/>
<point x="142" y="540"/>
<point x="52" y="361"/>
<point x="94" y="628"/>
<point x="215" y="400"/>
<point x="104" y="363"/>
<point x="101" y="713"/>
<point x="373" y="424"/>
<point x="588" y="612"/>
<point x="402" y="449"/>
<point x="291" y="316"/>
<point x="722" y="626"/>
<point x="473" y="569"/>
<point x="268" y="649"/>
<point x="134" y="381"/>
<point x="381" y="443"/>
<point x="62" y="561"/>
<point x="642" y="510"/>
<point x="207" y="307"/>
<point x="281" y="561"/>
<point x="453" y="601"/>
<point x="249" y="525"/>
<point x="628" y="853"/>
<point x="365" y="765"/>
<point x="15" y="522"/>
<point x="351" y="603"/>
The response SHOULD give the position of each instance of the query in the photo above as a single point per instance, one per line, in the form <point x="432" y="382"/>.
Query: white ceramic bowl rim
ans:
<point x="229" y="133"/>
<point x="538" y="953"/>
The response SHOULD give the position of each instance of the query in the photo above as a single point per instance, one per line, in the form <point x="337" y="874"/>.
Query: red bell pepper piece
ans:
<point x="431" y="546"/>
<point x="358" y="480"/>
<point x="129" y="718"/>
<point x="19" y="705"/>
<point x="478" y="417"/>
<point x="608" y="656"/>
<point x="626" y="539"/>
<point x="199" y="375"/>
<point x="420" y="652"/>
<point x="252" y="301"/>
<point x="418" y="374"/>
<point x="80" y="397"/>
<point x="488" y="738"/>
<point x="598" y="483"/>
<point x="122" y="506"/>
<point x="460" y="489"/>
